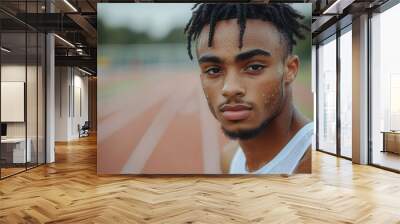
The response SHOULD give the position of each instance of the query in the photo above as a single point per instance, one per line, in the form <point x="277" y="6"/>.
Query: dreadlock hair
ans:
<point x="282" y="16"/>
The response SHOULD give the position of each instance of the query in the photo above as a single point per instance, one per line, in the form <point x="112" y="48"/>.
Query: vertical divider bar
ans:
<point x="0" y="95"/>
<point x="338" y="95"/>
<point x="317" y="96"/>
<point x="26" y="86"/>
<point x="45" y="90"/>
<point x="37" y="88"/>
<point x="369" y="89"/>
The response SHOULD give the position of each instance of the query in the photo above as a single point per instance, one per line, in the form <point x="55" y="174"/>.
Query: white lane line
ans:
<point x="209" y="137"/>
<point x="134" y="107"/>
<point x="139" y="156"/>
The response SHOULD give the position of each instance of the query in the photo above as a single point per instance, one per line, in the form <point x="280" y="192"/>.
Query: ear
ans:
<point x="291" y="68"/>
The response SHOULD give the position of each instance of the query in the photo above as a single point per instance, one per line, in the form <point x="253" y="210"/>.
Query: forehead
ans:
<point x="258" y="34"/>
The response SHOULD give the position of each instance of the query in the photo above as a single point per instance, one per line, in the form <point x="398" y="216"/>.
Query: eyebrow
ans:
<point x="240" y="57"/>
<point x="251" y="53"/>
<point x="209" y="58"/>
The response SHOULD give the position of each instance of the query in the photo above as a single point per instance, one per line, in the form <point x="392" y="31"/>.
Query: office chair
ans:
<point x="84" y="130"/>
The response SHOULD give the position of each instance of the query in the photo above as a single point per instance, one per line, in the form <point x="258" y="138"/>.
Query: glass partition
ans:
<point x="327" y="95"/>
<point x="22" y="77"/>
<point x="13" y="109"/>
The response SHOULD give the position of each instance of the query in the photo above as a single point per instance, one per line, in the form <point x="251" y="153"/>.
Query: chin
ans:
<point x="245" y="130"/>
<point x="238" y="126"/>
<point x="241" y="133"/>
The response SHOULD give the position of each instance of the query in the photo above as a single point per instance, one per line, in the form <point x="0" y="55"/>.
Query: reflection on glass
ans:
<point x="22" y="90"/>
<point x="346" y="94"/>
<point x="13" y="85"/>
<point x="385" y="89"/>
<point x="327" y="96"/>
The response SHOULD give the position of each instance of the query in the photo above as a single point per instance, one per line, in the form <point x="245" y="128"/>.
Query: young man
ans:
<point x="247" y="71"/>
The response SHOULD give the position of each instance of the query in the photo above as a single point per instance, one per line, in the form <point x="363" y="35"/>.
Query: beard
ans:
<point x="249" y="133"/>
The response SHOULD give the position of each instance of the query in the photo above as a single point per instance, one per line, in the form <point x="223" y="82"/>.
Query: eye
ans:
<point x="254" y="68"/>
<point x="213" y="71"/>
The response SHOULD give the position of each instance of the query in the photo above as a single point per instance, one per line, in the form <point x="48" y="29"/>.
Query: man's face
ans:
<point x="245" y="88"/>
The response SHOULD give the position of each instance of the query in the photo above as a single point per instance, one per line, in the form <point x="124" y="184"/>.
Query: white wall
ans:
<point x="80" y="110"/>
<point x="11" y="73"/>
<point x="33" y="126"/>
<point x="62" y="81"/>
<point x="16" y="73"/>
<point x="70" y="83"/>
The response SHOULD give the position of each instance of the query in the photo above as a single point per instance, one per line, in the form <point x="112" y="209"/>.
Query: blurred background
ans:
<point x="152" y="115"/>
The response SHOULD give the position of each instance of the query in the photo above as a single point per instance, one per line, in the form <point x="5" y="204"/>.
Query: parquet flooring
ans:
<point x="69" y="191"/>
<point x="10" y="171"/>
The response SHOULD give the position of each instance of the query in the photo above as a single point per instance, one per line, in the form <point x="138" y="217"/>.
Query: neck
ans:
<point x="264" y="147"/>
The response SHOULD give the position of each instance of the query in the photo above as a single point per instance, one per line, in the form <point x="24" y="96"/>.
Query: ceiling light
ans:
<point x="338" y="6"/>
<point x="71" y="6"/>
<point x="84" y="71"/>
<point x="79" y="51"/>
<point x="5" y="50"/>
<point x="331" y="7"/>
<point x="64" y="40"/>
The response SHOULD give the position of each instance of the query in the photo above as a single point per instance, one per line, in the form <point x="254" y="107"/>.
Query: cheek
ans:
<point x="210" y="94"/>
<point x="211" y="89"/>
<point x="207" y="89"/>
<point x="271" y="87"/>
<point x="271" y="95"/>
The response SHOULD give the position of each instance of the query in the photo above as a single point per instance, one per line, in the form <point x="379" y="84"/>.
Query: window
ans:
<point x="346" y="92"/>
<point x="327" y="95"/>
<point x="385" y="89"/>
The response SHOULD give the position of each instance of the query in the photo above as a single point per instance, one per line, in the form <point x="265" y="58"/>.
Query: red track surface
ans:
<point x="157" y="126"/>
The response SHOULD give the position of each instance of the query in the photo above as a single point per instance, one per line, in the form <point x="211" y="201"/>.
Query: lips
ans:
<point x="235" y="112"/>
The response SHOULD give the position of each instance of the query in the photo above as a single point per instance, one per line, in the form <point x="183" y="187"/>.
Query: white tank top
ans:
<point x="285" y="162"/>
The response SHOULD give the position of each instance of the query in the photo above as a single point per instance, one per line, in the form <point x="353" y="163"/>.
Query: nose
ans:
<point x="232" y="86"/>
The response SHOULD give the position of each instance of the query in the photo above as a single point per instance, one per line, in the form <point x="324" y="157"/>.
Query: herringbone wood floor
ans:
<point x="69" y="191"/>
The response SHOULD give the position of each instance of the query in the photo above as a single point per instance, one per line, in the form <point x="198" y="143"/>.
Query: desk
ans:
<point x="391" y="141"/>
<point x="15" y="148"/>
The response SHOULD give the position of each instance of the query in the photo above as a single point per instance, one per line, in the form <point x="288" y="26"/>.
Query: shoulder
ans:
<point x="228" y="153"/>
